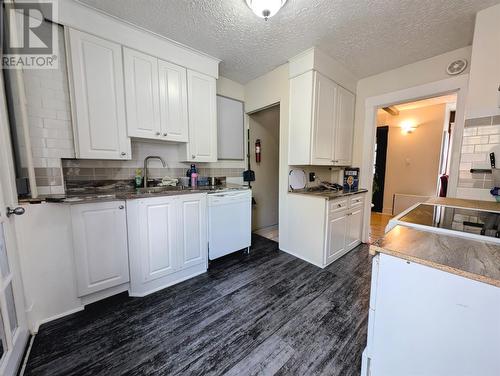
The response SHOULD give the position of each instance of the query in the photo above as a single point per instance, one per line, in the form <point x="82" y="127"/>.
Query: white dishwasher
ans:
<point x="229" y="222"/>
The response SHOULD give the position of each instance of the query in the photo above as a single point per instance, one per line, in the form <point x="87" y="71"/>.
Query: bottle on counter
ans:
<point x="194" y="180"/>
<point x="138" y="178"/>
<point x="190" y="173"/>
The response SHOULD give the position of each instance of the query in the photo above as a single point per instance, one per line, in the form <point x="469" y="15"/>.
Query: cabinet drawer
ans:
<point x="356" y="201"/>
<point x="338" y="206"/>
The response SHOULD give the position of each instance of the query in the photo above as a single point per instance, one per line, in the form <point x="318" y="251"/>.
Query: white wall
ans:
<point x="485" y="65"/>
<point x="421" y="72"/>
<point x="230" y="88"/>
<point x="45" y="247"/>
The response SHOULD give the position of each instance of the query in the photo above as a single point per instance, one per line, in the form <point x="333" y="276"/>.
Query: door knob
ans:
<point x="121" y="207"/>
<point x="158" y="133"/>
<point x="193" y="156"/>
<point x="165" y="134"/>
<point x="16" y="211"/>
<point x="123" y="153"/>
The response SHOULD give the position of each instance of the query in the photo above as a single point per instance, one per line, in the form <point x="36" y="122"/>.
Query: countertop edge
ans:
<point x="374" y="249"/>
<point x="328" y="196"/>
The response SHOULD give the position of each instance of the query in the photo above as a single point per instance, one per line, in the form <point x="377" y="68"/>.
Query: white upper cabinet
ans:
<point x="142" y="94"/>
<point x="156" y="93"/>
<point x="325" y="95"/>
<point x="97" y="97"/>
<point x="321" y="121"/>
<point x="202" y="109"/>
<point x="173" y="102"/>
<point x="344" y="127"/>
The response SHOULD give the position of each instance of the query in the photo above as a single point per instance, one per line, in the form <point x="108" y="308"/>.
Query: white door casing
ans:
<point x="13" y="326"/>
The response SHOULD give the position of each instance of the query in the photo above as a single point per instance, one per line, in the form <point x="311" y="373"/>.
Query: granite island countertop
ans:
<point x="469" y="258"/>
<point x="329" y="195"/>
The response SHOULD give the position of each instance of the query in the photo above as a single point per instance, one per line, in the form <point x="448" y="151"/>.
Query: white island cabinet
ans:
<point x="167" y="241"/>
<point x="322" y="229"/>
<point x="100" y="245"/>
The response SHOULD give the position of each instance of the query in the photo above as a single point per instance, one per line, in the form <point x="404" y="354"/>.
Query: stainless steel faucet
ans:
<point x="146" y="160"/>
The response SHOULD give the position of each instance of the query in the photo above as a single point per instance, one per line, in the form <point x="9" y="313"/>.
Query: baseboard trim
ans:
<point x="39" y="323"/>
<point x="303" y="258"/>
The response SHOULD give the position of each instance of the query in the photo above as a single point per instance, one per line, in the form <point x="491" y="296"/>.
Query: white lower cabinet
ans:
<point x="100" y="245"/>
<point x="167" y="241"/>
<point x="344" y="226"/>
<point x="336" y="244"/>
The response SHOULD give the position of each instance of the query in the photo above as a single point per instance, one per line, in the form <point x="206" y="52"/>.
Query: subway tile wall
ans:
<point x="49" y="121"/>
<point x="481" y="137"/>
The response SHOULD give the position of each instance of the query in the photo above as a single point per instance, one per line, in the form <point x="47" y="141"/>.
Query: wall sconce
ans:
<point x="408" y="126"/>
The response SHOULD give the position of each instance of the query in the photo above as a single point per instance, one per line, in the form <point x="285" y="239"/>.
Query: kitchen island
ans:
<point x="435" y="293"/>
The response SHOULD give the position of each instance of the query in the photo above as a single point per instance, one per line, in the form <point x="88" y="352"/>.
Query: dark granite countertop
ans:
<point x="84" y="197"/>
<point x="329" y="195"/>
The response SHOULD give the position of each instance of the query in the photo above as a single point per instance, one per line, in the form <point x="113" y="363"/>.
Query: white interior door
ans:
<point x="13" y="327"/>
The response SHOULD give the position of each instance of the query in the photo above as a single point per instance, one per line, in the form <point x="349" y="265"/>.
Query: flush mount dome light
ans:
<point x="265" y="8"/>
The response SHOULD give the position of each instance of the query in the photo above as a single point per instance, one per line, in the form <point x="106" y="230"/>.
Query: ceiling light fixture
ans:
<point x="265" y="8"/>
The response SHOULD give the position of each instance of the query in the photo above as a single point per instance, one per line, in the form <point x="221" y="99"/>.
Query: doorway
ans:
<point x="13" y="327"/>
<point x="411" y="155"/>
<point x="264" y="133"/>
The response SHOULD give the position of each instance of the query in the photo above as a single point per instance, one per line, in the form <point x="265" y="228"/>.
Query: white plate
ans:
<point x="297" y="179"/>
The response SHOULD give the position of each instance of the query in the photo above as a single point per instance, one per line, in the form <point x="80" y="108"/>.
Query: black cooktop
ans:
<point x="458" y="219"/>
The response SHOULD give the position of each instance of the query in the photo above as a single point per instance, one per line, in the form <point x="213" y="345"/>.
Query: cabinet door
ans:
<point x="173" y="102"/>
<point x="193" y="231"/>
<point x="202" y="103"/>
<point x="335" y="245"/>
<point x="97" y="97"/>
<point x="344" y="128"/>
<point x="142" y="94"/>
<point x="354" y="227"/>
<point x="100" y="244"/>
<point x="324" y="121"/>
<point x="157" y="236"/>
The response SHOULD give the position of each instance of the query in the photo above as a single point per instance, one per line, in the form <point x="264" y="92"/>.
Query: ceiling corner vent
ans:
<point x="456" y="67"/>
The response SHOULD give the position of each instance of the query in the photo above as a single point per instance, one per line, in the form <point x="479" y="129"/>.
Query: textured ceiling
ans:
<point x="367" y="36"/>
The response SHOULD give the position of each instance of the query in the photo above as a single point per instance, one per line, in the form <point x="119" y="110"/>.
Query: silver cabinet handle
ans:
<point x="121" y="207"/>
<point x="16" y="211"/>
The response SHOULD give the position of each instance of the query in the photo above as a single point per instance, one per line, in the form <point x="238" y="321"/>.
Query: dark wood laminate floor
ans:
<point x="266" y="313"/>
